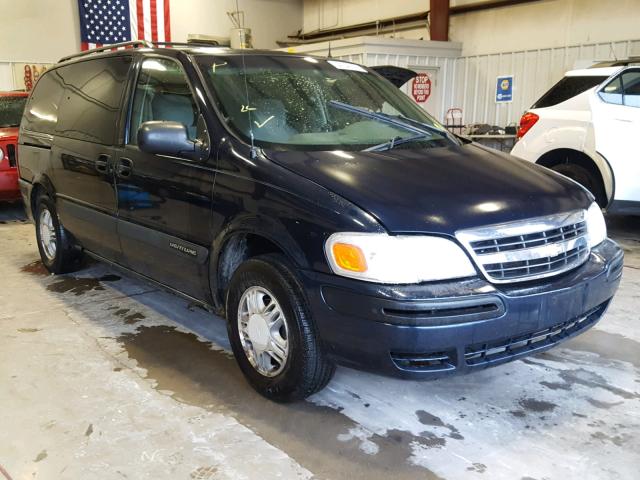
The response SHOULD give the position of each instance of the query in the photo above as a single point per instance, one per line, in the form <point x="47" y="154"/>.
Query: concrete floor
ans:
<point x="106" y="377"/>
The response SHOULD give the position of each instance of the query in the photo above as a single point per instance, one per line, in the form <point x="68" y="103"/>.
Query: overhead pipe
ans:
<point x="397" y="22"/>
<point x="414" y="20"/>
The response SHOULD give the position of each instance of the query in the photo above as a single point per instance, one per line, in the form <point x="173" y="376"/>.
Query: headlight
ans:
<point x="381" y="258"/>
<point x="1" y="154"/>
<point x="596" y="227"/>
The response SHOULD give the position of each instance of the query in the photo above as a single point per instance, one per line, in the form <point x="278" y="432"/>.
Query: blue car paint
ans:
<point x="296" y="200"/>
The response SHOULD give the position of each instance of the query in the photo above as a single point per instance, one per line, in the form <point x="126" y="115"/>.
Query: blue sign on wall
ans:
<point x="504" y="89"/>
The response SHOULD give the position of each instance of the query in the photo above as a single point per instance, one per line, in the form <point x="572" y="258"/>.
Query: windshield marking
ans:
<point x="260" y="125"/>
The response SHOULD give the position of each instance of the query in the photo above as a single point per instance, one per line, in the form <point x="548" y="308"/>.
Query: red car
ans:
<point x="11" y="107"/>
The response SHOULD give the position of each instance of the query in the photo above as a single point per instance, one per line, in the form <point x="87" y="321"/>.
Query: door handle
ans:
<point x="102" y="163"/>
<point x="125" y="166"/>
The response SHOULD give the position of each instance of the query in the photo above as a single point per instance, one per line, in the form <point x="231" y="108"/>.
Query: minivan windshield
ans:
<point x="11" y="109"/>
<point x="305" y="103"/>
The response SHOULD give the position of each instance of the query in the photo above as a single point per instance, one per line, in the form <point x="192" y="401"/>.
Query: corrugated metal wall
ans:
<point x="469" y="82"/>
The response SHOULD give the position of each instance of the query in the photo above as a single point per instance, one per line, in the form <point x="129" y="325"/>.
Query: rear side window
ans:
<point x="568" y="88"/>
<point x="623" y="90"/>
<point x="41" y="114"/>
<point x="90" y="107"/>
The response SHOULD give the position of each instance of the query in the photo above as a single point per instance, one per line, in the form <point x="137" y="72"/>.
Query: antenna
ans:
<point x="329" y="52"/>
<point x="248" y="109"/>
<point x="613" y="51"/>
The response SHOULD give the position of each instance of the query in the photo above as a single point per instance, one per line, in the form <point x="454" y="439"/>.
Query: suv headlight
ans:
<point x="596" y="227"/>
<point x="382" y="258"/>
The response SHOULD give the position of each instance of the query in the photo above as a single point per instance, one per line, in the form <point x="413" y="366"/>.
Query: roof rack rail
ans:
<point x="200" y="43"/>
<point x="134" y="44"/>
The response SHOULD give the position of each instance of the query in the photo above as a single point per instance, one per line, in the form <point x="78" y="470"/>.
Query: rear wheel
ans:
<point x="585" y="178"/>
<point x="272" y="333"/>
<point x="57" y="250"/>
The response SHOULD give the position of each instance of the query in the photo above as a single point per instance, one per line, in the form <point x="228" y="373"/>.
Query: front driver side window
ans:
<point x="162" y="93"/>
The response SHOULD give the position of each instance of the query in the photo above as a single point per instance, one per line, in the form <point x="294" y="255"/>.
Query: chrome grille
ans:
<point x="530" y="240"/>
<point x="529" y="249"/>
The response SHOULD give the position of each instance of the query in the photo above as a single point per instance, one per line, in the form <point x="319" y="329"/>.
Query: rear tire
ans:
<point x="585" y="178"/>
<point x="58" y="252"/>
<point x="278" y="350"/>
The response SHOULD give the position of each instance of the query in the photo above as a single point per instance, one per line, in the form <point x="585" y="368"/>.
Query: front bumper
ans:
<point x="437" y="329"/>
<point x="9" y="189"/>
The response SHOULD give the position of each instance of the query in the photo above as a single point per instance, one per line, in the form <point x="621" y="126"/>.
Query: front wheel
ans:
<point x="57" y="250"/>
<point x="272" y="333"/>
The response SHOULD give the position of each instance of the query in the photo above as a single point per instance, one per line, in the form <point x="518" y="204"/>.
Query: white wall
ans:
<point x="42" y="31"/>
<point x="269" y="20"/>
<point x="545" y="24"/>
<point x="541" y="24"/>
<point x="38" y="31"/>
<point x="326" y="14"/>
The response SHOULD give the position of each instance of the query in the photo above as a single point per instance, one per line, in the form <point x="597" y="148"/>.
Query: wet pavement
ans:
<point x="105" y="376"/>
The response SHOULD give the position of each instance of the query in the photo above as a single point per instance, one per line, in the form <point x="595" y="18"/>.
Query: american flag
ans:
<point x="103" y="22"/>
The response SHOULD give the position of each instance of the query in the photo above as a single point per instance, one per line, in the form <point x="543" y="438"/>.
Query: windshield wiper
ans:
<point x="420" y="129"/>
<point x="388" y="119"/>
<point x="395" y="141"/>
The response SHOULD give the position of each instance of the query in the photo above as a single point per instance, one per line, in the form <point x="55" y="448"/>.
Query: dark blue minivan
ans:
<point x="315" y="206"/>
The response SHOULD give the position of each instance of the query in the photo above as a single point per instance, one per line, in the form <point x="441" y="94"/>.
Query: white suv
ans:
<point x="587" y="127"/>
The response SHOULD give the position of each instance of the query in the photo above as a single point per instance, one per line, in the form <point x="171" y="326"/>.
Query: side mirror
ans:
<point x="168" y="138"/>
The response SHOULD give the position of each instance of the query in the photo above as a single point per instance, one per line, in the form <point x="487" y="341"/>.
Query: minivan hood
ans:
<point x="438" y="190"/>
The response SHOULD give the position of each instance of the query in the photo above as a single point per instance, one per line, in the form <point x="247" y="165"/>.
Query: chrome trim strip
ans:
<point x="520" y="227"/>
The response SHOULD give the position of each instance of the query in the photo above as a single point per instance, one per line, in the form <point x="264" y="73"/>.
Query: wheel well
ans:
<point x="35" y="192"/>
<point x="569" y="156"/>
<point x="238" y="249"/>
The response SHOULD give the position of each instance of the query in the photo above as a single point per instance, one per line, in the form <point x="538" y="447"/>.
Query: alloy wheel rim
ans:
<point x="264" y="332"/>
<point x="48" y="238"/>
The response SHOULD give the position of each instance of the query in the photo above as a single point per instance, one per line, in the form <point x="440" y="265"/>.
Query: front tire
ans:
<point x="272" y="333"/>
<point x="57" y="250"/>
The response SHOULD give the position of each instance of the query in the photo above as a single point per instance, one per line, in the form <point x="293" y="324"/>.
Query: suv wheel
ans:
<point x="58" y="253"/>
<point x="584" y="178"/>
<point x="271" y="331"/>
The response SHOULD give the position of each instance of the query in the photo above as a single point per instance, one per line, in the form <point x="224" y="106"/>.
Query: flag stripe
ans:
<point x="154" y="20"/>
<point x="140" y="16"/>
<point x="146" y="7"/>
<point x="133" y="8"/>
<point x="160" y="18"/>
<point x="167" y="22"/>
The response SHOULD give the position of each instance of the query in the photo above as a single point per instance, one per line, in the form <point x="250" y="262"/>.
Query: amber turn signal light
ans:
<point x="349" y="257"/>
